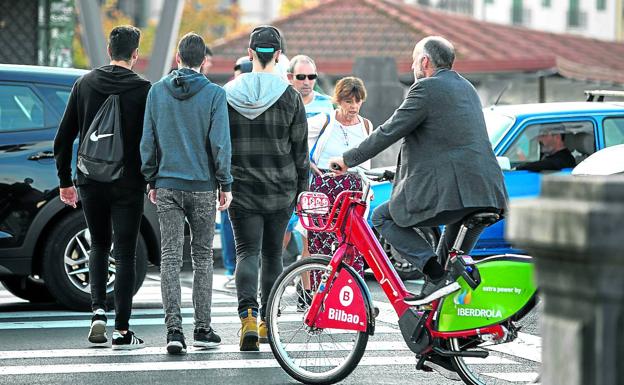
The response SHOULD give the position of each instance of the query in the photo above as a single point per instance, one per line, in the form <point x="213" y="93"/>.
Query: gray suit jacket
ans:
<point x="446" y="160"/>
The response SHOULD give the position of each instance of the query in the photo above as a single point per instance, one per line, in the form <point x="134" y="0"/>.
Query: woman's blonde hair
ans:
<point x="347" y="88"/>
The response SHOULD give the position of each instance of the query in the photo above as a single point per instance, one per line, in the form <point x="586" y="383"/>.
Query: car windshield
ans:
<point x="497" y="124"/>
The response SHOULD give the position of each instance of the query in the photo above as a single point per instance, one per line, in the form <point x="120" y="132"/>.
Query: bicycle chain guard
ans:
<point x="344" y="306"/>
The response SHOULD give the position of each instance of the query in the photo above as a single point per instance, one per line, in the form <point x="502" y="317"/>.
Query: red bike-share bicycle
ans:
<point x="319" y="338"/>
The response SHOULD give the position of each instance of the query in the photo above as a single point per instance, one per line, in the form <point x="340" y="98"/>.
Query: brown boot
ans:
<point x="249" y="333"/>
<point x="263" y="333"/>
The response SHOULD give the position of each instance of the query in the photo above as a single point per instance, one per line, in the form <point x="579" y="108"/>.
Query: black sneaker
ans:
<point x="175" y="342"/>
<point x="304" y="299"/>
<point x="433" y="290"/>
<point x="206" y="338"/>
<point x="128" y="341"/>
<point x="97" y="332"/>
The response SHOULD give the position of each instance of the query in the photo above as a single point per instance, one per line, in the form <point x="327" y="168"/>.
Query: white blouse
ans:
<point x="336" y="139"/>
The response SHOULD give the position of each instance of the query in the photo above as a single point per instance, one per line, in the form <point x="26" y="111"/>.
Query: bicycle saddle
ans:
<point x="481" y="219"/>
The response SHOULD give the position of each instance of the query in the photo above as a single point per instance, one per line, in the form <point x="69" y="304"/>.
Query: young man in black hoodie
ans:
<point x="112" y="210"/>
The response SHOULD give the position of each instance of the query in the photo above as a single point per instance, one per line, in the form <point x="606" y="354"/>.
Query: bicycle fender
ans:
<point x="368" y="299"/>
<point x="348" y="304"/>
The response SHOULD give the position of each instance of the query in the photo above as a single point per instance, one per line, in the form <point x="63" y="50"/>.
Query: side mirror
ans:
<point x="504" y="163"/>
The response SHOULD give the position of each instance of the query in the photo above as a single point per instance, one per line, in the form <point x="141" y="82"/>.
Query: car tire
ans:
<point x="74" y="293"/>
<point x="405" y="269"/>
<point x="28" y="288"/>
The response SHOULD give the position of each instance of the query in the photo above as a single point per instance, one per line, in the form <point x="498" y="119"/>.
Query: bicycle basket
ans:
<point x="316" y="212"/>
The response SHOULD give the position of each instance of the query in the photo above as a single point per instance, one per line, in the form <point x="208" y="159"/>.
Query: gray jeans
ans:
<point x="199" y="208"/>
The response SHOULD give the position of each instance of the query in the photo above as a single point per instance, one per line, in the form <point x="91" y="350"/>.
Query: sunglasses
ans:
<point x="303" y="76"/>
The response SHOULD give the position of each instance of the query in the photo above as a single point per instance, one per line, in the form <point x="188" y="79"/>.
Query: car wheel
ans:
<point x="403" y="267"/>
<point x="66" y="264"/>
<point x="28" y="288"/>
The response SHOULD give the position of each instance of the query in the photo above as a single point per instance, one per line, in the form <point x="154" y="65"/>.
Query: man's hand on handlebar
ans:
<point x="338" y="165"/>
<point x="387" y="175"/>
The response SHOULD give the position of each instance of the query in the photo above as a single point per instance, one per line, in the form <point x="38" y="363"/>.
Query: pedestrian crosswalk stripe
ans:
<point x="525" y="377"/>
<point x="185" y="365"/>
<point x="525" y="345"/>
<point x="110" y="315"/>
<point x="219" y="320"/>
<point x="160" y="350"/>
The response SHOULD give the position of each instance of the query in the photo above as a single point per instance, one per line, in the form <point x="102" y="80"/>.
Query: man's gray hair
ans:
<point x="300" y="59"/>
<point x="439" y="50"/>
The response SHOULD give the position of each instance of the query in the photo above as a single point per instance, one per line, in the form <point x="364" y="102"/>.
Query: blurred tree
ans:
<point x="205" y="17"/>
<point x="291" y="6"/>
<point x="208" y="18"/>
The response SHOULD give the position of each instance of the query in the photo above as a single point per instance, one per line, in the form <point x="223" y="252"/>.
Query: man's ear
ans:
<point x="276" y="55"/>
<point x="250" y="53"/>
<point x="108" y="50"/>
<point x="135" y="54"/>
<point x="178" y="59"/>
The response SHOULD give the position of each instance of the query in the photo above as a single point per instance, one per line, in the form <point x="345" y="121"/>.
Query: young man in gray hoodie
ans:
<point x="270" y="167"/>
<point x="186" y="153"/>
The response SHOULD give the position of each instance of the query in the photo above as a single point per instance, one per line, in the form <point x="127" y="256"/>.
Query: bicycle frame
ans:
<point x="351" y="216"/>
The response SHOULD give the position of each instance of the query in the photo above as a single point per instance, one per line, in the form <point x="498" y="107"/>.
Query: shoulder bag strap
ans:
<point x="319" y="137"/>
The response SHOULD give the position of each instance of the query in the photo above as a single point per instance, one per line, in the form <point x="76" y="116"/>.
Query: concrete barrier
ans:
<point x="575" y="231"/>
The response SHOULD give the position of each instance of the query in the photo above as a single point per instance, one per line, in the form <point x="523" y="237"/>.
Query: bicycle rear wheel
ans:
<point x="309" y="355"/>
<point x="508" y="363"/>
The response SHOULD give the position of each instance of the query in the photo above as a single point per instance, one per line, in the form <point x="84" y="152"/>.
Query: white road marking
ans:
<point x="526" y="346"/>
<point x="160" y="350"/>
<point x="524" y="377"/>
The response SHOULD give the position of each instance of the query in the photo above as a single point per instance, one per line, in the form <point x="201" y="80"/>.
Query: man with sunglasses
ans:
<point x="302" y="75"/>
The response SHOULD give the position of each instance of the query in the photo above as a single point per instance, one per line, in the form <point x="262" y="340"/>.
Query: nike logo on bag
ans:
<point x="95" y="137"/>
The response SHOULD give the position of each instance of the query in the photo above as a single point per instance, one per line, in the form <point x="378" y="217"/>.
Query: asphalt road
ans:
<point x="45" y="344"/>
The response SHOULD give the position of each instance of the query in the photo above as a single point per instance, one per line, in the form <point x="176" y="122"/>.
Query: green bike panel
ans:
<point x="507" y="285"/>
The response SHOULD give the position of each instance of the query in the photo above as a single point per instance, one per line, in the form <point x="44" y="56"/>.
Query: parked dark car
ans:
<point x="43" y="243"/>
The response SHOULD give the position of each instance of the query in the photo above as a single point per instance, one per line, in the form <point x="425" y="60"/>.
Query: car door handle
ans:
<point x="42" y="155"/>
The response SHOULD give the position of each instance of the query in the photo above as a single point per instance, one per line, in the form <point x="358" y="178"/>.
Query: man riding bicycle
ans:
<point x="446" y="169"/>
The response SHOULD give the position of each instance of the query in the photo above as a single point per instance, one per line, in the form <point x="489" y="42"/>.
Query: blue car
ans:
<point x="513" y="129"/>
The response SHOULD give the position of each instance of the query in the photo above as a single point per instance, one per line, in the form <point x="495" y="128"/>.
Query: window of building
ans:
<point x="516" y="12"/>
<point x="601" y="5"/>
<point x="574" y="14"/>
<point x="546" y="3"/>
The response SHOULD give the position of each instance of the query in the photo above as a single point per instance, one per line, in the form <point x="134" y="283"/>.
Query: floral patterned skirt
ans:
<point x="321" y="243"/>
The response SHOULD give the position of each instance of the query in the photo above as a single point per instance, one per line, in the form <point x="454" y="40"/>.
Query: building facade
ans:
<point x="600" y="19"/>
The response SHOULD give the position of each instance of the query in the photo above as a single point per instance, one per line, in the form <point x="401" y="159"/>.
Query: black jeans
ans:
<point x="256" y="233"/>
<point x="415" y="248"/>
<point x="113" y="216"/>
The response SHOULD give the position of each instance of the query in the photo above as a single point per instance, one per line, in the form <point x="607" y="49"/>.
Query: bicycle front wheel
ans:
<point x="309" y="355"/>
